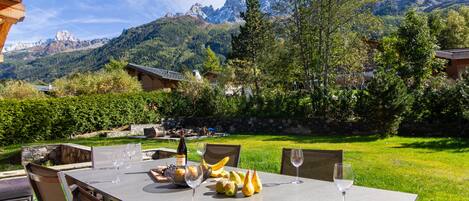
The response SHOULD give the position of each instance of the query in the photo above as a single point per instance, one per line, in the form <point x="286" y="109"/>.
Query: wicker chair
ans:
<point x="318" y="164"/>
<point x="216" y="152"/>
<point x="45" y="183"/>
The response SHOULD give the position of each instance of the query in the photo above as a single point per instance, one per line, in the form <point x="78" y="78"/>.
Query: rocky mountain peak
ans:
<point x="196" y="10"/>
<point x="65" y="36"/>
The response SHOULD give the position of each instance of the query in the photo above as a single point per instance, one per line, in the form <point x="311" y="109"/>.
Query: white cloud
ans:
<point x="96" y="20"/>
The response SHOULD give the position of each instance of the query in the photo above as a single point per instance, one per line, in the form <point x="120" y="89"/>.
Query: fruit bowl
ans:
<point x="176" y="175"/>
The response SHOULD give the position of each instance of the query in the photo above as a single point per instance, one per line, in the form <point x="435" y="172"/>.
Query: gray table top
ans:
<point x="136" y="184"/>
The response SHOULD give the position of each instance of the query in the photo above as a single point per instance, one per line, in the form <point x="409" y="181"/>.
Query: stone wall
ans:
<point x="58" y="154"/>
<point x="72" y="153"/>
<point x="41" y="154"/>
<point x="271" y="125"/>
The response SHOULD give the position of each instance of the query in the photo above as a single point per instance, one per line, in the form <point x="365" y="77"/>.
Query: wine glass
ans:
<point x="201" y="149"/>
<point x="343" y="177"/>
<point x="193" y="177"/>
<point x="130" y="151"/>
<point x="117" y="161"/>
<point x="297" y="159"/>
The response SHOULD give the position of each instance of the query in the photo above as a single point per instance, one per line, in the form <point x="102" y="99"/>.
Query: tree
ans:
<point x="329" y="41"/>
<point x="115" y="65"/>
<point x="253" y="40"/>
<point x="383" y="105"/>
<point x="19" y="90"/>
<point x="416" y="48"/>
<point x="212" y="62"/>
<point x="456" y="32"/>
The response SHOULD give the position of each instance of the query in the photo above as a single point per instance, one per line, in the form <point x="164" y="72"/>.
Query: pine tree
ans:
<point x="253" y="40"/>
<point x="212" y="62"/>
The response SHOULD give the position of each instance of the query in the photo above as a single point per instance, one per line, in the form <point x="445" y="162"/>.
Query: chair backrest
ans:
<point x="65" y="186"/>
<point x="83" y="195"/>
<point x="45" y="183"/>
<point x="101" y="157"/>
<point x="216" y="152"/>
<point x="317" y="164"/>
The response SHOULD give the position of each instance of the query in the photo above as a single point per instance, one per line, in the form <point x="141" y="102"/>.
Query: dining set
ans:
<point x="119" y="173"/>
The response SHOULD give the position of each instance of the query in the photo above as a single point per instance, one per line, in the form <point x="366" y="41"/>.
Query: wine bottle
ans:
<point x="181" y="155"/>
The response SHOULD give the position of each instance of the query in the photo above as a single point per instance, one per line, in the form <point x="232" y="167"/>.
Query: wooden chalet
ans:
<point x="458" y="61"/>
<point x="11" y="12"/>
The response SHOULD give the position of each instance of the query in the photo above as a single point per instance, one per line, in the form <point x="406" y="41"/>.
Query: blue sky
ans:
<point x="89" y="19"/>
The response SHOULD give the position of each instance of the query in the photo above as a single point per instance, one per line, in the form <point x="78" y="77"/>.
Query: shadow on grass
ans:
<point x="451" y="144"/>
<point x="325" y="139"/>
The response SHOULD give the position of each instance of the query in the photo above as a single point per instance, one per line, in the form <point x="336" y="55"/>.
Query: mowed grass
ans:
<point x="437" y="169"/>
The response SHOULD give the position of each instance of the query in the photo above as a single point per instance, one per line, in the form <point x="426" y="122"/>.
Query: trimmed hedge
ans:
<point x="55" y="118"/>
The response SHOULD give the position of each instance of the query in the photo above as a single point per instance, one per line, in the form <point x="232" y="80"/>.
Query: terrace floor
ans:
<point x="436" y="169"/>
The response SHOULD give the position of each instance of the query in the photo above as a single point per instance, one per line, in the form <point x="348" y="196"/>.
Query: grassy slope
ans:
<point x="434" y="168"/>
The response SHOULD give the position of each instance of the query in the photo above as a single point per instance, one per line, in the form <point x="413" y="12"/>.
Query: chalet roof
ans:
<point x="158" y="72"/>
<point x="11" y="11"/>
<point x="453" y="54"/>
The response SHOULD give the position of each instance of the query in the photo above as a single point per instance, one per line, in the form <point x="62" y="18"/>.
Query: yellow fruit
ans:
<point x="225" y="174"/>
<point x="241" y="175"/>
<point x="248" y="188"/>
<point x="256" y="182"/>
<point x="218" y="173"/>
<point x="220" y="164"/>
<point x="234" y="177"/>
<point x="220" y="186"/>
<point x="230" y="189"/>
<point x="179" y="175"/>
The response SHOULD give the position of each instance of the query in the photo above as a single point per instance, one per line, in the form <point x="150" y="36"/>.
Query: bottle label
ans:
<point x="180" y="160"/>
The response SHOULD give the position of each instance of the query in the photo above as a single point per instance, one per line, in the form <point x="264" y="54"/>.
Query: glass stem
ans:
<point x="343" y="196"/>
<point x="193" y="194"/>
<point x="297" y="174"/>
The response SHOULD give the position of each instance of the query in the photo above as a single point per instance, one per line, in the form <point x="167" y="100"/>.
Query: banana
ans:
<point x="216" y="166"/>
<point x="217" y="173"/>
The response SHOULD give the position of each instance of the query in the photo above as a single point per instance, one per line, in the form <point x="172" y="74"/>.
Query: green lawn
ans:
<point x="433" y="168"/>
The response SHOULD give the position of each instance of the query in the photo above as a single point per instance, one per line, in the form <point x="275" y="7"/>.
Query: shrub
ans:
<point x="383" y="104"/>
<point x="31" y="120"/>
<point x="115" y="81"/>
<point x="19" y="90"/>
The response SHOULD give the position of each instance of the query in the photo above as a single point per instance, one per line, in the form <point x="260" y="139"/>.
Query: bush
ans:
<point x="19" y="90"/>
<point x="383" y="104"/>
<point x="44" y="119"/>
<point x="115" y="81"/>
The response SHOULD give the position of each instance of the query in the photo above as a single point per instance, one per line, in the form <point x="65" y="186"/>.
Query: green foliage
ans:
<point x="451" y="27"/>
<point x="442" y="102"/>
<point x="19" y="90"/>
<point x="109" y="81"/>
<point x="383" y="105"/>
<point x="115" y="65"/>
<point x="416" y="47"/>
<point x="55" y="118"/>
<point x="212" y="62"/>
<point x="411" y="51"/>
<point x="253" y="42"/>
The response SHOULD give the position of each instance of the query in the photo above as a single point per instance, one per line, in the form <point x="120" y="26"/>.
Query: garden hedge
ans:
<point x="24" y="121"/>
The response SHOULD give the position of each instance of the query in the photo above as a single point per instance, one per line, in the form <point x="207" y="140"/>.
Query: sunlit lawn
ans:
<point x="433" y="168"/>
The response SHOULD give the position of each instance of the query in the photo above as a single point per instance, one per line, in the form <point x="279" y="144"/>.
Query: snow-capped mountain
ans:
<point x="230" y="12"/>
<point x="65" y="36"/>
<point x="64" y="41"/>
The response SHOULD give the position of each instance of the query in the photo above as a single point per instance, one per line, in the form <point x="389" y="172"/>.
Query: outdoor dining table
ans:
<point x="137" y="184"/>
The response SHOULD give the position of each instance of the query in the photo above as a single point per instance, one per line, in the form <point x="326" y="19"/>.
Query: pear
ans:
<point x="248" y="188"/>
<point x="230" y="188"/>
<point x="241" y="175"/>
<point x="220" y="186"/>
<point x="256" y="182"/>
<point x="235" y="178"/>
